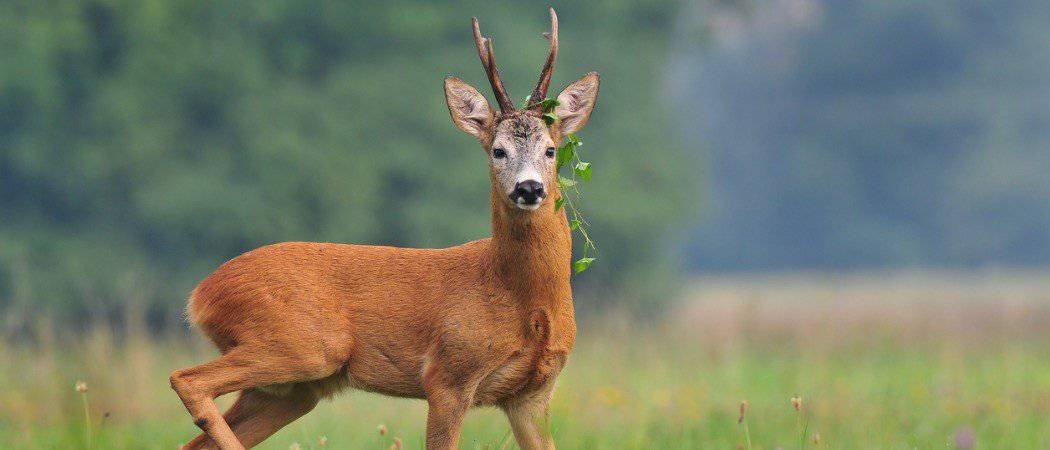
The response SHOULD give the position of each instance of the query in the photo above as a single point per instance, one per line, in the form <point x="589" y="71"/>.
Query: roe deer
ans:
<point x="489" y="322"/>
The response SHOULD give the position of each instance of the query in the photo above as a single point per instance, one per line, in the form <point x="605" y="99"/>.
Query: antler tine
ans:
<point x="540" y="92"/>
<point x="488" y="60"/>
<point x="479" y="41"/>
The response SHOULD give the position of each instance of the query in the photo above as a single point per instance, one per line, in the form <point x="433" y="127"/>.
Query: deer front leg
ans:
<point x="447" y="406"/>
<point x="529" y="416"/>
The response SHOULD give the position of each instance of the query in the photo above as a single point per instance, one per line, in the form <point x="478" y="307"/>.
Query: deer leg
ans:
<point x="235" y="371"/>
<point x="257" y="414"/>
<point x="529" y="418"/>
<point x="447" y="406"/>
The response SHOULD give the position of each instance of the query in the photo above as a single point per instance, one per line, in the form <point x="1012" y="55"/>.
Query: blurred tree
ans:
<point x="863" y="133"/>
<point x="153" y="140"/>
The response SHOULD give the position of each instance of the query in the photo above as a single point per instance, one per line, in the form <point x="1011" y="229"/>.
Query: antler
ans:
<point x="540" y="93"/>
<point x="488" y="59"/>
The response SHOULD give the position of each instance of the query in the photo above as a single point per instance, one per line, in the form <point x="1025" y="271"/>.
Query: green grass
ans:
<point x="623" y="389"/>
<point x="885" y="374"/>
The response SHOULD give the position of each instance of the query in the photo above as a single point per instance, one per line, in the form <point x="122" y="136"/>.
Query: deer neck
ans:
<point x="532" y="253"/>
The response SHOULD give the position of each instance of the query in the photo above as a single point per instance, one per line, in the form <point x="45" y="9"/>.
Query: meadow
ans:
<point x="886" y="361"/>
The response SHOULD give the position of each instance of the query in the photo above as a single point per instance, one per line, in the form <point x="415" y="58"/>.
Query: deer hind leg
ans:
<point x="258" y="414"/>
<point x="238" y="370"/>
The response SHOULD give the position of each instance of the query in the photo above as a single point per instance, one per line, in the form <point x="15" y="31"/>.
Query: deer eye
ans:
<point x="550" y="152"/>
<point x="499" y="153"/>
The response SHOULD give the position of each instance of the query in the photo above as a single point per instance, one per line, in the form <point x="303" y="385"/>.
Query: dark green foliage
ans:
<point x="144" y="143"/>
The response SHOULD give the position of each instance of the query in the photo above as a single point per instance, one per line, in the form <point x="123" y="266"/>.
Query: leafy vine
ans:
<point x="569" y="156"/>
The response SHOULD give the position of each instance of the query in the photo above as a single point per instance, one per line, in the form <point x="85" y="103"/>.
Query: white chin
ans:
<point x="527" y="206"/>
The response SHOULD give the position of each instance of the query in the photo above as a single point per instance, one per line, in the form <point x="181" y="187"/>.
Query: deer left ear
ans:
<point x="469" y="109"/>
<point x="576" y="103"/>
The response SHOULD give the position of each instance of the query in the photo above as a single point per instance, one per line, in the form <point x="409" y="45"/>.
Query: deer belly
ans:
<point x="379" y="372"/>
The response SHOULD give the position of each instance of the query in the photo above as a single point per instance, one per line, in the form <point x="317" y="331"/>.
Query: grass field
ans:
<point x="880" y="362"/>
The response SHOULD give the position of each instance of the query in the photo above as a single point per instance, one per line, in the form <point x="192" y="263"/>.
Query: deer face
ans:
<point x="520" y="146"/>
<point x="521" y="160"/>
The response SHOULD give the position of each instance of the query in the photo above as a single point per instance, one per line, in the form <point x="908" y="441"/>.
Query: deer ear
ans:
<point x="576" y="103"/>
<point x="469" y="109"/>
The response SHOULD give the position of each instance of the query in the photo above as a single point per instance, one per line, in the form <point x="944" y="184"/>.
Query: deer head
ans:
<point x="521" y="147"/>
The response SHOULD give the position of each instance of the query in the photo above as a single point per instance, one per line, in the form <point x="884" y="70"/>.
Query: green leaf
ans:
<point x="558" y="203"/>
<point x="565" y="183"/>
<point x="583" y="170"/>
<point x="574" y="224"/>
<point x="572" y="139"/>
<point x="582" y="264"/>
<point x="549" y="104"/>
<point x="566" y="154"/>
<point x="549" y="118"/>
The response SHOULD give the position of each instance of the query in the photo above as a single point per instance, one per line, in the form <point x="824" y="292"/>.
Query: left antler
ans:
<point x="488" y="59"/>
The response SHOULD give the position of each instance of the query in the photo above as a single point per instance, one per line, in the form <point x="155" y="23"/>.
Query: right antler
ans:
<point x="540" y="93"/>
<point x="488" y="59"/>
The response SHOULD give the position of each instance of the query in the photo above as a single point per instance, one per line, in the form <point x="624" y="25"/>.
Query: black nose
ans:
<point x="528" y="191"/>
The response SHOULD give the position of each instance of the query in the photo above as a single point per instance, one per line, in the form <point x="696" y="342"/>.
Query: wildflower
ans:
<point x="747" y="432"/>
<point x="964" y="438"/>
<point x="796" y="401"/>
<point x="295" y="446"/>
<point x="82" y="388"/>
<point x="382" y="430"/>
<point x="322" y="441"/>
<point x="397" y="444"/>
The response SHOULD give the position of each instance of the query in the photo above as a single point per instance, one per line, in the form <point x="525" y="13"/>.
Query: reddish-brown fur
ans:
<point x="489" y="322"/>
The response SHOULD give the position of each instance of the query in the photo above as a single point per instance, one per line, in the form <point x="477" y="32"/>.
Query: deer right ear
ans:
<point x="469" y="109"/>
<point x="576" y="103"/>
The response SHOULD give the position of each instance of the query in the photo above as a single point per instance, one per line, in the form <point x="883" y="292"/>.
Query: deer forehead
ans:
<point x="520" y="132"/>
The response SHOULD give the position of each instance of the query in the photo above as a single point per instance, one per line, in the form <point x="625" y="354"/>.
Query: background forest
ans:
<point x="144" y="143"/>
